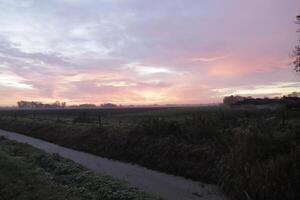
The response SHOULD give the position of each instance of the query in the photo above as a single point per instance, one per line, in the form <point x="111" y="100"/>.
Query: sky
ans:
<point x="146" y="51"/>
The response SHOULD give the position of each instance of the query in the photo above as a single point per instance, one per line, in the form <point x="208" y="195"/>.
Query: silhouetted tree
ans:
<point x="296" y="53"/>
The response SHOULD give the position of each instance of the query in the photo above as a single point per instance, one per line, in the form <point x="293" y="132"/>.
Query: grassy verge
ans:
<point x="27" y="173"/>
<point x="250" y="154"/>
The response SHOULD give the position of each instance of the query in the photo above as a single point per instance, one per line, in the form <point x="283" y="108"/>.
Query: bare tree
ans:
<point x="296" y="52"/>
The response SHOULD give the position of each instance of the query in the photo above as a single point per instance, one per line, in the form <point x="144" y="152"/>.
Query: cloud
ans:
<point x="148" y="70"/>
<point x="13" y="81"/>
<point x="133" y="51"/>
<point x="208" y="59"/>
<point x="272" y="89"/>
<point x="8" y="51"/>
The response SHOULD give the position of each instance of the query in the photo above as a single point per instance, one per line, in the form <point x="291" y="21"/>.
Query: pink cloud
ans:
<point x="144" y="52"/>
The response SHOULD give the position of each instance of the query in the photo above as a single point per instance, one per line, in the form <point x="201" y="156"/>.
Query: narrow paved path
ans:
<point x="166" y="186"/>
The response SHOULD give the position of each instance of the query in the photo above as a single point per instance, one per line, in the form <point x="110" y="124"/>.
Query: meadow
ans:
<point x="249" y="153"/>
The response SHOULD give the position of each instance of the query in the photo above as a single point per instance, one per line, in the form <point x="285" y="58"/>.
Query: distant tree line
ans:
<point x="87" y="105"/>
<point x="230" y="100"/>
<point x="292" y="99"/>
<point x="37" y="105"/>
<point x="57" y="104"/>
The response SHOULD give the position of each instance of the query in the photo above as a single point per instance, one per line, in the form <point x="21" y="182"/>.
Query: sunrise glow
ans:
<point x="146" y="52"/>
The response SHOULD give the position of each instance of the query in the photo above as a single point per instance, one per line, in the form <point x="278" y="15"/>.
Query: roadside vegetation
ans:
<point x="27" y="173"/>
<point x="251" y="154"/>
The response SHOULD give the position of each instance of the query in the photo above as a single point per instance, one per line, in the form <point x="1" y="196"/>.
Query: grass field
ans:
<point x="251" y="154"/>
<point x="27" y="174"/>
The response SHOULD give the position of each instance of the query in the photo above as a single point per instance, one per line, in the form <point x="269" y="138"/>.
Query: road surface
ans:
<point x="168" y="187"/>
